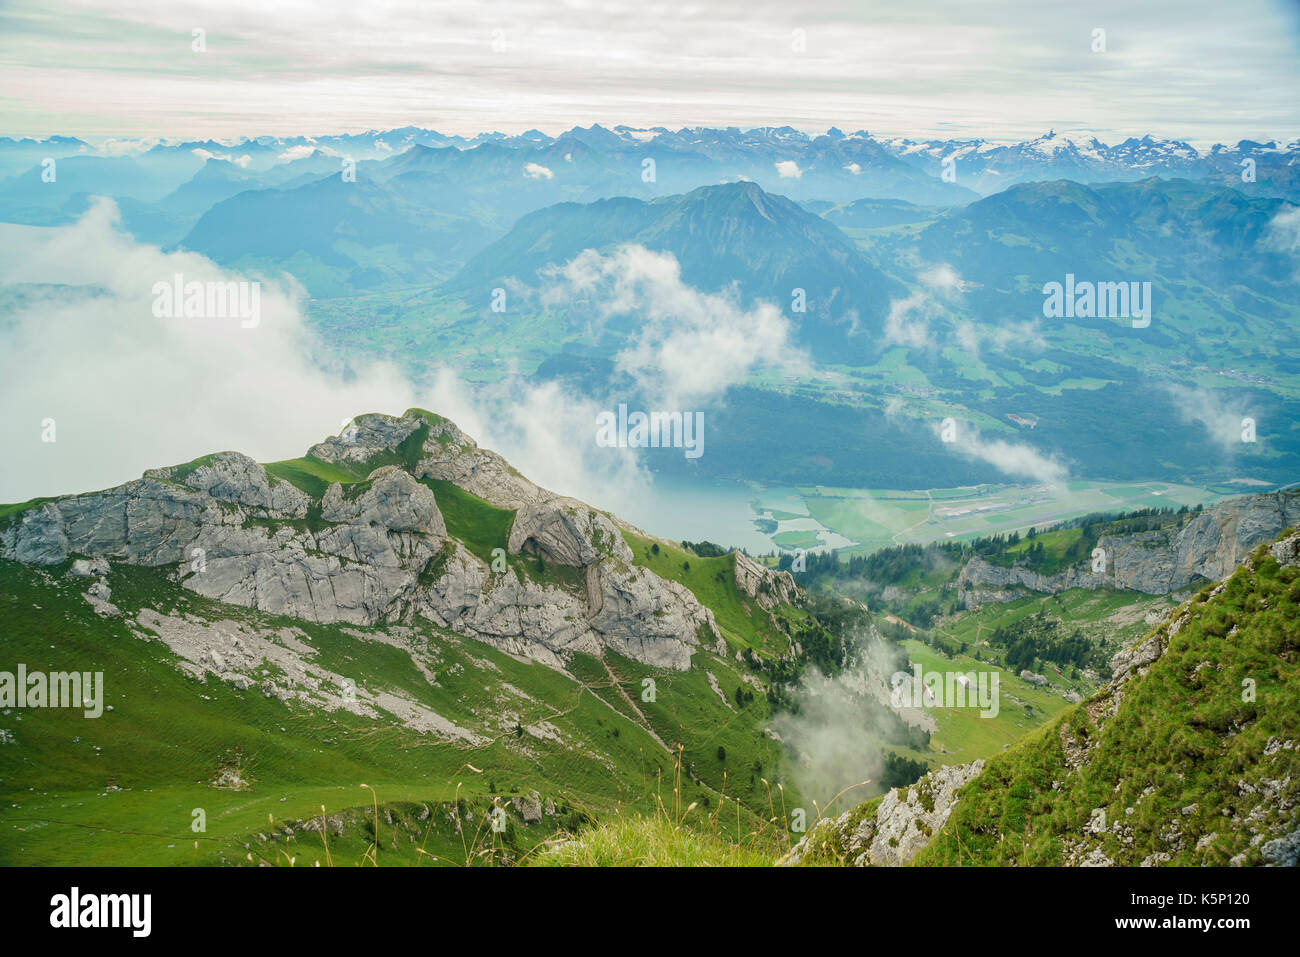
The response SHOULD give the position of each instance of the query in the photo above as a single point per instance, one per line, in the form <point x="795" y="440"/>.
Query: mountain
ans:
<point x="1185" y="228"/>
<point x="991" y="167"/>
<point x="495" y="178"/>
<point x="17" y="155"/>
<point x="496" y="184"/>
<point x="337" y="237"/>
<point x="1180" y="550"/>
<point x="1188" y="756"/>
<point x="33" y="197"/>
<point x="873" y="213"/>
<point x="380" y="550"/>
<point x="401" y="608"/>
<point x="219" y="180"/>
<point x="734" y="233"/>
<point x="1194" y="243"/>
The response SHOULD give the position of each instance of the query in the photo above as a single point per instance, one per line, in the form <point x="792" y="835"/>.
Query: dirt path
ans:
<point x="645" y="724"/>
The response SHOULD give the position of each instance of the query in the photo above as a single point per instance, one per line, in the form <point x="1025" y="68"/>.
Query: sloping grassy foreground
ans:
<point x="124" y="788"/>
<point x="1196" y="762"/>
<point x="653" y="841"/>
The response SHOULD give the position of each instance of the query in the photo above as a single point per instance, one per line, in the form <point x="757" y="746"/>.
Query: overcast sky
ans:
<point x="1002" y="69"/>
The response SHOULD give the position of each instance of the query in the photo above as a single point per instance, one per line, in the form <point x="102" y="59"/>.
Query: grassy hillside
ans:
<point x="607" y="760"/>
<point x="1193" y="763"/>
<point x="124" y="787"/>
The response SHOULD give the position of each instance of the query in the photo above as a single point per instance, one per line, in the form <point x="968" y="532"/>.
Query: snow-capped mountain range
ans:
<point x="585" y="163"/>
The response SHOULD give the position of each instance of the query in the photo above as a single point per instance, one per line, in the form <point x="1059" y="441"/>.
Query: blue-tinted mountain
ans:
<point x="735" y="233"/>
<point x="337" y="237"/>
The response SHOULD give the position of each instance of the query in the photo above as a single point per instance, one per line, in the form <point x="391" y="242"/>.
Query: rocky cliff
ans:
<point x="378" y="549"/>
<point x="1208" y="546"/>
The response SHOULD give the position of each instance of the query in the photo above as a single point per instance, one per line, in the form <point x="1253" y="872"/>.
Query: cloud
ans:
<point x="908" y="322"/>
<point x="914" y="321"/>
<point x="836" y="729"/>
<point x="130" y="147"/>
<point x="788" y="169"/>
<point x="942" y="278"/>
<point x="537" y="171"/>
<point x="1003" y="69"/>
<point x="79" y="344"/>
<point x="548" y="433"/>
<point x="241" y="161"/>
<point x="689" y="346"/>
<point x="1283" y="234"/>
<point x="1014" y="459"/>
<point x="854" y="168"/>
<point x="301" y="151"/>
<point x="1213" y="411"/>
<point x="1284" y="230"/>
<point x="971" y="337"/>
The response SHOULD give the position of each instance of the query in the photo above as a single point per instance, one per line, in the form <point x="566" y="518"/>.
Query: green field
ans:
<point x="964" y="734"/>
<point x="878" y="518"/>
<point x="1107" y="616"/>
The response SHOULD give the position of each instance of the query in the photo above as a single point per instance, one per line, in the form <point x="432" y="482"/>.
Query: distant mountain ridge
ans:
<point x="1206" y="546"/>
<point x="832" y="161"/>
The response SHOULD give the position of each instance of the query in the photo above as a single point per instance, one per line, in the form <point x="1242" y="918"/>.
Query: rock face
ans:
<point x="232" y="651"/>
<point x="379" y="549"/>
<point x="1208" y="546"/>
<point x="767" y="587"/>
<point x="1287" y="551"/>
<point x="565" y="530"/>
<point x="898" y="830"/>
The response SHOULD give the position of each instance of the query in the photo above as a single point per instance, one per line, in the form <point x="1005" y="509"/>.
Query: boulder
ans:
<point x="89" y="568"/>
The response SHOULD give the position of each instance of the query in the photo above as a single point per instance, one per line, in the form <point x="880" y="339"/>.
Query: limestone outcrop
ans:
<point x="1207" y="547"/>
<point x="899" y="828"/>
<point x="766" y="586"/>
<point x="379" y="550"/>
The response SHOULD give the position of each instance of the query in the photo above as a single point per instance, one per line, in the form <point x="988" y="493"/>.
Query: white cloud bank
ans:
<point x="690" y="346"/>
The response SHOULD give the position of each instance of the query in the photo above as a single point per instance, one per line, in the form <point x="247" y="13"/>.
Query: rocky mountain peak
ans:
<point x="379" y="548"/>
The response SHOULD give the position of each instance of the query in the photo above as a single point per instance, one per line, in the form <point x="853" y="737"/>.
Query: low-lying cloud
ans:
<point x="1014" y="459"/>
<point x="838" y="726"/>
<point x="80" y="346"/>
<point x="690" y="346"/>
<point x="1220" y="417"/>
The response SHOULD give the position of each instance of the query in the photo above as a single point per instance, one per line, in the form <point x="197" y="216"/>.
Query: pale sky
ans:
<point x="1000" y="69"/>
